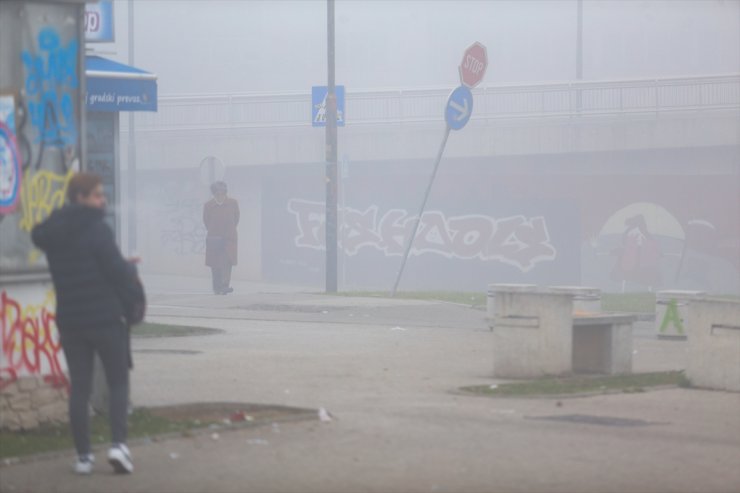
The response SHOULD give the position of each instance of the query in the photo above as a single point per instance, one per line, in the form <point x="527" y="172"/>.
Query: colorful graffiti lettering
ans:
<point x="10" y="170"/>
<point x="41" y="193"/>
<point x="51" y="79"/>
<point x="30" y="341"/>
<point x="517" y="240"/>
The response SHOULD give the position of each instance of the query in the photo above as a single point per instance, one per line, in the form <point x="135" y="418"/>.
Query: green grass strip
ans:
<point x="147" y="329"/>
<point x="58" y="437"/>
<point x="635" y="382"/>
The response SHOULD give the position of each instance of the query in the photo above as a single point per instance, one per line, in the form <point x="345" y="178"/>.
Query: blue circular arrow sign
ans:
<point x="459" y="108"/>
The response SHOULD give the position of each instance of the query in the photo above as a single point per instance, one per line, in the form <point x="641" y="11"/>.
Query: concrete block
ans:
<point x="533" y="335"/>
<point x="491" y="298"/>
<point x="585" y="299"/>
<point x="713" y="329"/>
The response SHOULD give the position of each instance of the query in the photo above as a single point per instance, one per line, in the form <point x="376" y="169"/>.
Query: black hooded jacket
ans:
<point x="91" y="278"/>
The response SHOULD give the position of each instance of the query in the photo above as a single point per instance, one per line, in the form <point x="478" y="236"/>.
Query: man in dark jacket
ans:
<point x="93" y="285"/>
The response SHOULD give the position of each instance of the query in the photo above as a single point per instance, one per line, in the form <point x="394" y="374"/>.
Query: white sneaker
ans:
<point x="119" y="457"/>
<point x="84" y="464"/>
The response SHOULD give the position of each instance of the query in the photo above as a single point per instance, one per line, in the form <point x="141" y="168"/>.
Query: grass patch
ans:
<point x="462" y="297"/>
<point x="142" y="423"/>
<point x="628" y="302"/>
<point x="610" y="302"/>
<point x="636" y="382"/>
<point x="147" y="329"/>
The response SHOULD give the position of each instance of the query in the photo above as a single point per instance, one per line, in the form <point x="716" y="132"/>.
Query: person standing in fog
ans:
<point x="221" y="216"/>
<point x="97" y="292"/>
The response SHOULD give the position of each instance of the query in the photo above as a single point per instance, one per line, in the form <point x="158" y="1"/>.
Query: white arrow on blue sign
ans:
<point x="459" y="108"/>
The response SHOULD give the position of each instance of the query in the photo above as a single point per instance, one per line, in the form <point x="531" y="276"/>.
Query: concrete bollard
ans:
<point x="671" y="308"/>
<point x="491" y="298"/>
<point x="713" y="330"/>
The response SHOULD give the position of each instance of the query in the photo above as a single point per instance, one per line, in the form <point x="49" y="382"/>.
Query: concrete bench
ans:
<point x="713" y="334"/>
<point x="537" y="334"/>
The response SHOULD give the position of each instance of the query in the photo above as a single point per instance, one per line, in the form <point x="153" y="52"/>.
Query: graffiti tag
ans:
<point x="41" y="193"/>
<point x="30" y="341"/>
<point x="51" y="79"/>
<point x="516" y="240"/>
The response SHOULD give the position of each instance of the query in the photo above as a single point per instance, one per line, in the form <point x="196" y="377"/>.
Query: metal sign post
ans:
<point x="458" y="110"/>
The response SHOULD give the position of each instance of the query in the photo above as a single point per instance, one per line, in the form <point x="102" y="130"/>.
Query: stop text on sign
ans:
<point x="473" y="64"/>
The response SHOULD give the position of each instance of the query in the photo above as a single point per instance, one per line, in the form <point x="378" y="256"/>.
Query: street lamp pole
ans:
<point x="331" y="159"/>
<point x="131" y="164"/>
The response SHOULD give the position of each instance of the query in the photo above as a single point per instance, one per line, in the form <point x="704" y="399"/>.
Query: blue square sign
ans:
<point x="318" y="105"/>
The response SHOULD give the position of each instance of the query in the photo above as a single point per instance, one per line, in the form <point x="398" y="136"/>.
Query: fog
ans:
<point x="246" y="46"/>
<point x="621" y="173"/>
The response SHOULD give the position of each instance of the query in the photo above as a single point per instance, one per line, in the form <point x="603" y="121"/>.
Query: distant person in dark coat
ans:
<point x="221" y="217"/>
<point x="94" y="286"/>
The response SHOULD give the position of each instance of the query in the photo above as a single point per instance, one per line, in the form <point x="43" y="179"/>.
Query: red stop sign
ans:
<point x="473" y="65"/>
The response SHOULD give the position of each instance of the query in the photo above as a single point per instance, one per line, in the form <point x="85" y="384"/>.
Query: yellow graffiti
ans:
<point x="41" y="193"/>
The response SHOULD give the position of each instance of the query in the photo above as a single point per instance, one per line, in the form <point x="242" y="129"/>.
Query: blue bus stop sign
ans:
<point x="459" y="108"/>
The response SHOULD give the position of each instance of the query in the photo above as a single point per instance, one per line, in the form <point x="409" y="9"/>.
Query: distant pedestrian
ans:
<point x="221" y="217"/>
<point x="97" y="291"/>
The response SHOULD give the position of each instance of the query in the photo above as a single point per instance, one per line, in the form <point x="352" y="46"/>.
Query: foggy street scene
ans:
<point x="370" y="246"/>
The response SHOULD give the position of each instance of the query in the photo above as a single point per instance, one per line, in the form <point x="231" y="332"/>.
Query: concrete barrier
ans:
<point x="713" y="330"/>
<point x="671" y="309"/>
<point x="491" y="298"/>
<point x="585" y="299"/>
<point x="538" y="334"/>
<point x="533" y="335"/>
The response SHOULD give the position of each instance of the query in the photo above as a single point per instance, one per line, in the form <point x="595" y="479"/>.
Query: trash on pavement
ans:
<point x="324" y="415"/>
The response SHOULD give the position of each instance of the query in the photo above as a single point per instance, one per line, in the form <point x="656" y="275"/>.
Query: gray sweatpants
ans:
<point x="80" y="346"/>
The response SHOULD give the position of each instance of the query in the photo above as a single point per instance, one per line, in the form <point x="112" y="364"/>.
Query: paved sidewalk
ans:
<point x="387" y="370"/>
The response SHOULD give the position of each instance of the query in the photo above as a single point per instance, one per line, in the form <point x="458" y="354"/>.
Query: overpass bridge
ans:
<point x="260" y="129"/>
<point x="630" y="184"/>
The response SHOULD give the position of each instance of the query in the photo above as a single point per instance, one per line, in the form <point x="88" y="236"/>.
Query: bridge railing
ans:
<point x="426" y="105"/>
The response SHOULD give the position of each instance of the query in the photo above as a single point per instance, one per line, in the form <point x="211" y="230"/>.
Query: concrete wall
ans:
<point x="42" y="145"/>
<point x="713" y="330"/>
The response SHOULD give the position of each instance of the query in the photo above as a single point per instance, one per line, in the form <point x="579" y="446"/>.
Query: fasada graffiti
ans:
<point x="519" y="241"/>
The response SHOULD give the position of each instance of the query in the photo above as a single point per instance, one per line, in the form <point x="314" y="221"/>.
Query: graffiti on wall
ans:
<point x="45" y="144"/>
<point x="519" y="241"/>
<point x="10" y="159"/>
<point x="649" y="247"/>
<point x="183" y="232"/>
<point x="30" y="341"/>
<point x="41" y="193"/>
<point x="50" y="85"/>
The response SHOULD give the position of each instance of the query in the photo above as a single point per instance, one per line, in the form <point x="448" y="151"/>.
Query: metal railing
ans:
<point x="426" y="105"/>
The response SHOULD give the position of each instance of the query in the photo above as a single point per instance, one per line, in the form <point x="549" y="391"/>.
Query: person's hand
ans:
<point x="134" y="260"/>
